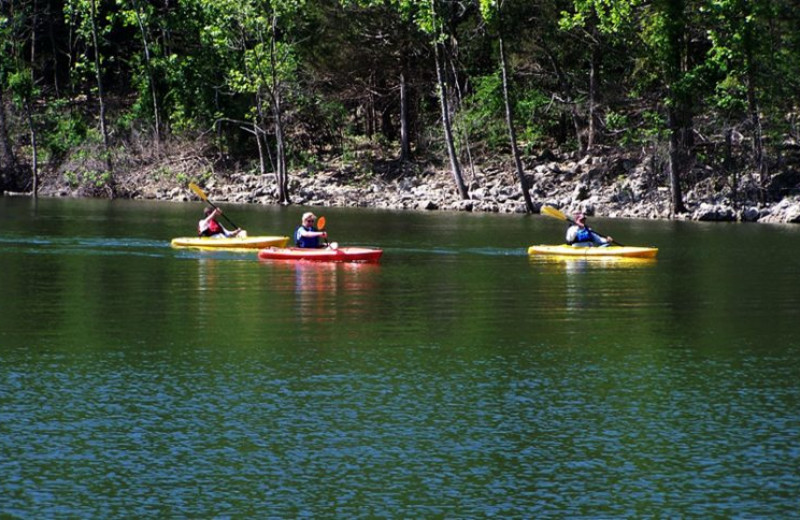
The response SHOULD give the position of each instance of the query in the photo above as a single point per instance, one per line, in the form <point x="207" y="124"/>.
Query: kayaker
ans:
<point x="581" y="235"/>
<point x="210" y="227"/>
<point x="307" y="234"/>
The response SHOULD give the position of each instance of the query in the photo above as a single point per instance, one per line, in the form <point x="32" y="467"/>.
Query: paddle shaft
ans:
<point x="224" y="215"/>
<point x="200" y="193"/>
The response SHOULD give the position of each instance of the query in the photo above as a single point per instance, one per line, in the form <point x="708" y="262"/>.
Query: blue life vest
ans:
<point x="584" y="235"/>
<point x="301" y="241"/>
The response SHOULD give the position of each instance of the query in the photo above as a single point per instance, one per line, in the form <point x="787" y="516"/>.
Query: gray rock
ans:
<point x="714" y="213"/>
<point x="750" y="214"/>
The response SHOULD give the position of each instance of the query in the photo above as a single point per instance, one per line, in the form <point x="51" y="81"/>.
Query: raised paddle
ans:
<point x="550" y="211"/>
<point x="200" y="193"/>
<point x="321" y="227"/>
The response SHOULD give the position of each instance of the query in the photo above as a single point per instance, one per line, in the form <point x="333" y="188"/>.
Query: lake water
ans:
<point x="458" y="378"/>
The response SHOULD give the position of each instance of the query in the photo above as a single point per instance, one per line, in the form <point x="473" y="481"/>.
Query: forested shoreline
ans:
<point x="674" y="103"/>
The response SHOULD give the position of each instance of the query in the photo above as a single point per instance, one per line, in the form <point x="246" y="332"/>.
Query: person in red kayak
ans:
<point x="581" y="235"/>
<point x="307" y="234"/>
<point x="210" y="227"/>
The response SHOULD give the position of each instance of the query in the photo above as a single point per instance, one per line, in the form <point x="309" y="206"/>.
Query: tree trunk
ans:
<point x="464" y="133"/>
<point x="101" y="99"/>
<point x="262" y="163"/>
<point x="594" y="94"/>
<point x="512" y="134"/>
<point x="259" y="124"/>
<point x="29" y="109"/>
<point x="752" y="107"/>
<point x="280" y="147"/>
<point x="405" y="144"/>
<point x="51" y="19"/>
<point x="727" y="164"/>
<point x="34" y="150"/>
<point x="679" y="114"/>
<point x="369" y="112"/>
<point x="675" y="163"/>
<point x="280" y="156"/>
<point x="150" y="76"/>
<point x="448" y="131"/>
<point x="758" y="141"/>
<point x="8" y="163"/>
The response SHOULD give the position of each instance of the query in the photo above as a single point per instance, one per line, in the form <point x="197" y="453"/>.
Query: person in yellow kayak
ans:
<point x="307" y="234"/>
<point x="581" y="235"/>
<point x="210" y="227"/>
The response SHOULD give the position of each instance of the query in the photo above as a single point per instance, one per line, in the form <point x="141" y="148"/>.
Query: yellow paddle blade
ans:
<point x="553" y="212"/>
<point x="321" y="223"/>
<point x="200" y="193"/>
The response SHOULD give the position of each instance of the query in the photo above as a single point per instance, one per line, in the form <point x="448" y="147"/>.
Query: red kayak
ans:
<point x="342" y="254"/>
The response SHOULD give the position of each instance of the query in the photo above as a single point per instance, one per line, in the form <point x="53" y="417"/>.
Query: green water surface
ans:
<point x="458" y="378"/>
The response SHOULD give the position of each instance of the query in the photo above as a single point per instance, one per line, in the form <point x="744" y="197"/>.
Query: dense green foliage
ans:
<point x="282" y="84"/>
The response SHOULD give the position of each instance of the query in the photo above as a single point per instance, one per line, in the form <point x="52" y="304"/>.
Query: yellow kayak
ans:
<point x="254" y="242"/>
<point x="611" y="251"/>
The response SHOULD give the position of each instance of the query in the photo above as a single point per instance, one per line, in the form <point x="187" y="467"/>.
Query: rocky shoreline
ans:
<point x="605" y="186"/>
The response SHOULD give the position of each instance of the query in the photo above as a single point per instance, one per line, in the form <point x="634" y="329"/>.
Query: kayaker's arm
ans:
<point x="228" y="233"/>
<point x="312" y="234"/>
<point x="205" y="223"/>
<point x="235" y="233"/>
<point x="607" y="239"/>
